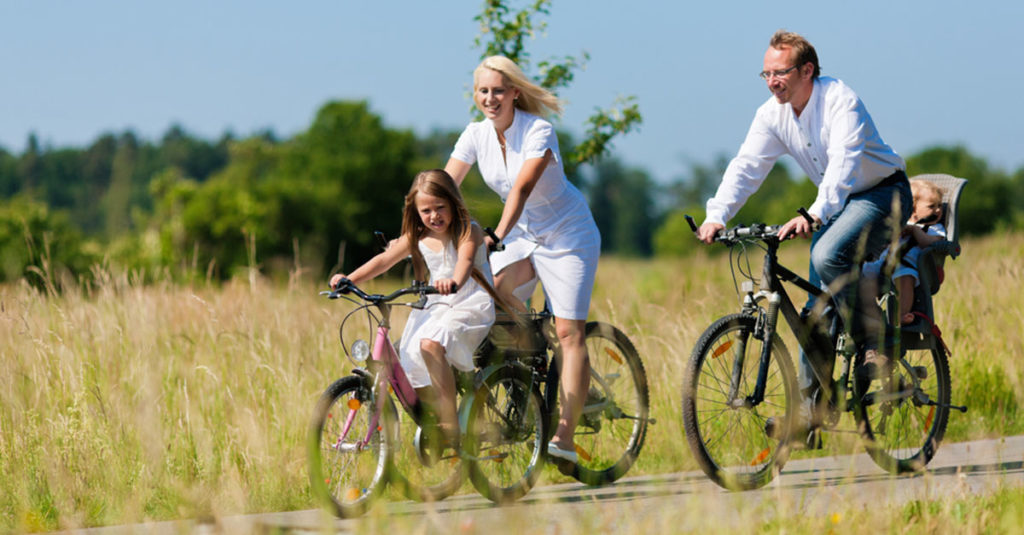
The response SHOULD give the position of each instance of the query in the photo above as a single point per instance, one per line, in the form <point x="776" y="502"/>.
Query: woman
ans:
<point x="546" y="226"/>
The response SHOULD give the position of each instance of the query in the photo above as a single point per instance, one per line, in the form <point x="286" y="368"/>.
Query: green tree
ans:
<point x="39" y="244"/>
<point x="987" y="201"/>
<point x="776" y="201"/>
<point x="623" y="206"/>
<point x="504" y="30"/>
<point x="294" y="202"/>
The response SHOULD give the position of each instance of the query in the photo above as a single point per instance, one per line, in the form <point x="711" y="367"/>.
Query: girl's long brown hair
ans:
<point x="438" y="183"/>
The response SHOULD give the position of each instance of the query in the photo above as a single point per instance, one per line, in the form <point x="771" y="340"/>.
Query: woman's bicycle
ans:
<point x="358" y="441"/>
<point x="524" y="355"/>
<point x="742" y="409"/>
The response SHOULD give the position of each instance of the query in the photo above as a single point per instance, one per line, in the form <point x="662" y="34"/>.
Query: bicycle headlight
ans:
<point x="360" y="351"/>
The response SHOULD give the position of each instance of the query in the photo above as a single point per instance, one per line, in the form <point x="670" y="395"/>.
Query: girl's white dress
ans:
<point x="458" y="321"/>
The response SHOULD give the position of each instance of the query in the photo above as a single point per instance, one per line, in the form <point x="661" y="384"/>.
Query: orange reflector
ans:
<point x="721" y="349"/>
<point x="497" y="456"/>
<point x="928" y="420"/>
<point x="615" y="356"/>
<point x="584" y="454"/>
<point x="354" y="404"/>
<point x="352" y="494"/>
<point x="761" y="457"/>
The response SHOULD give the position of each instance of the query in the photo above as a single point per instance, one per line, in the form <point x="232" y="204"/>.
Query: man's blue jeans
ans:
<point x="860" y="231"/>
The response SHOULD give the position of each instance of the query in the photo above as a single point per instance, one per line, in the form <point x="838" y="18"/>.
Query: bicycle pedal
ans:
<point x="566" y="468"/>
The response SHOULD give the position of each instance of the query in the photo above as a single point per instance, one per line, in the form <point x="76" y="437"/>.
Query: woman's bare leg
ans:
<point x="511" y="277"/>
<point x="574" y="378"/>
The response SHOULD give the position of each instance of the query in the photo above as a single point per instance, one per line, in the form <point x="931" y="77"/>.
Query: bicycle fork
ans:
<point x="764" y="330"/>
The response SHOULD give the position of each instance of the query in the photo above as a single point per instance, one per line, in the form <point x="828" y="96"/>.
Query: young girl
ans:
<point x="439" y="235"/>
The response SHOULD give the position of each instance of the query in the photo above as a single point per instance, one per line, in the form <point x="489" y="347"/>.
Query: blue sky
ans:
<point x="930" y="72"/>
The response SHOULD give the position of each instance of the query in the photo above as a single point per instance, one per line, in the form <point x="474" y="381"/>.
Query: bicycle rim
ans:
<point x="729" y="440"/>
<point x="504" y="436"/>
<point x="613" y="424"/>
<point x="349" y="459"/>
<point x="901" y="429"/>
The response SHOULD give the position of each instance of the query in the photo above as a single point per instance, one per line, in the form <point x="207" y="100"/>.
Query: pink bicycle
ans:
<point x="359" y="442"/>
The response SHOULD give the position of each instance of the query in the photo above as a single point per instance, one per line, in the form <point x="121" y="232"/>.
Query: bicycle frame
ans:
<point x="820" y="346"/>
<point x="384" y="369"/>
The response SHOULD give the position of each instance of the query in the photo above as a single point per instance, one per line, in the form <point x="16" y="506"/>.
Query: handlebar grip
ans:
<point x="382" y="241"/>
<point x="343" y="286"/>
<point x="815" y="226"/>
<point x="693" y="224"/>
<point x="498" y="246"/>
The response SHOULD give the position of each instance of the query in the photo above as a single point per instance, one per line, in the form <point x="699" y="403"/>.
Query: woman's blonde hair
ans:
<point x="532" y="97"/>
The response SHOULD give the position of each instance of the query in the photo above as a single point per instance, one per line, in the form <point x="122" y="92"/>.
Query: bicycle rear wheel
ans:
<point x="903" y="419"/>
<point x="349" y="446"/>
<point x="731" y="437"/>
<point x="504" y="435"/>
<point x="613" y="424"/>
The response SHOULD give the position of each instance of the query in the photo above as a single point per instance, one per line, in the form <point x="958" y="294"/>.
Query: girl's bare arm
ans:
<point x="464" y="265"/>
<point x="398" y="250"/>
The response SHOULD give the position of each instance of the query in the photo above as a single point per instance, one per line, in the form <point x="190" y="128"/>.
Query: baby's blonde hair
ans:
<point x="918" y="187"/>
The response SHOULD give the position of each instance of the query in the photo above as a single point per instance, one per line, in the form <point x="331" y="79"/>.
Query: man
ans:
<point x="863" y="192"/>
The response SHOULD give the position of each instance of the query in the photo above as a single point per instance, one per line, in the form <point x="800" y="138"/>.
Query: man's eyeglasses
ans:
<point x="765" y="75"/>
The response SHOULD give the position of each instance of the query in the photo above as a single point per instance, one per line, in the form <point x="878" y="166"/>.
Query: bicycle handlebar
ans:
<point x="346" y="286"/>
<point x="758" y="231"/>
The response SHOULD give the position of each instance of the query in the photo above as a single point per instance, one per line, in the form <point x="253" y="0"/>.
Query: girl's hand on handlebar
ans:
<point x="446" y="286"/>
<point x="336" y="280"/>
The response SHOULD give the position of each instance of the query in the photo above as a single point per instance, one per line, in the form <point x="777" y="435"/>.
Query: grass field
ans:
<point x="124" y="403"/>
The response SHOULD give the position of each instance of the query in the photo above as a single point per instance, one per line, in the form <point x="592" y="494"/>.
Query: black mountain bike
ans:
<point x="740" y="396"/>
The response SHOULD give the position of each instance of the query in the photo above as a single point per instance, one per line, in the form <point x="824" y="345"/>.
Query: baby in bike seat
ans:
<point x="924" y="227"/>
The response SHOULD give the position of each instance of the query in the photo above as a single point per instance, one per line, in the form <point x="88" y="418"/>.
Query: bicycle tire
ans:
<point x="901" y="431"/>
<point x="613" y="424"/>
<point x="415" y="473"/>
<point x="504" y="438"/>
<point x="729" y="440"/>
<point x="345" y="474"/>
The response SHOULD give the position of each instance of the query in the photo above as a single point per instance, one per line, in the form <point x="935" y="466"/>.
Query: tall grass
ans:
<point x="123" y="402"/>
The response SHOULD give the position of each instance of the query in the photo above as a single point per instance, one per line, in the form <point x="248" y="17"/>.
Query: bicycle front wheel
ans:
<point x="739" y="440"/>
<point x="613" y="424"/>
<point x="504" y="435"/>
<point x="903" y="417"/>
<point x="349" y="446"/>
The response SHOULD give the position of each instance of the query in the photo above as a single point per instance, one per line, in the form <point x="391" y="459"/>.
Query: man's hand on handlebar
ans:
<point x="800" y="226"/>
<point x="707" y="232"/>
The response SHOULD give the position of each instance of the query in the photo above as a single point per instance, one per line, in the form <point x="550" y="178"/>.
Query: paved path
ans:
<point x="810" y="486"/>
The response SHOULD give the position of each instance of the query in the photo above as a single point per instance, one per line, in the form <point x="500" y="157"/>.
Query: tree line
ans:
<point x="191" y="207"/>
